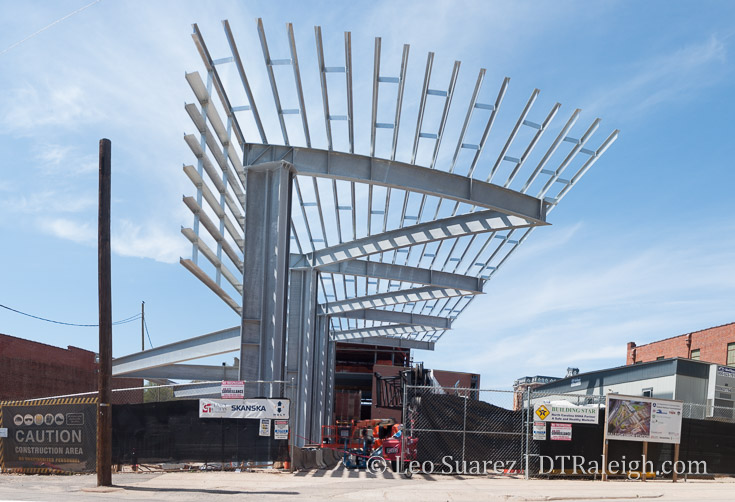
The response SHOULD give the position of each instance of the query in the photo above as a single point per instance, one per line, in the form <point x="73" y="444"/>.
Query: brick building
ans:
<point x="713" y="345"/>
<point x="31" y="369"/>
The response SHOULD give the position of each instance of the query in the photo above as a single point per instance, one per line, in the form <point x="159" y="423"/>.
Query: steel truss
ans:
<point x="316" y="245"/>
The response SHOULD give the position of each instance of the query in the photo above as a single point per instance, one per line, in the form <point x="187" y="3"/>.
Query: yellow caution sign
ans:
<point x="542" y="412"/>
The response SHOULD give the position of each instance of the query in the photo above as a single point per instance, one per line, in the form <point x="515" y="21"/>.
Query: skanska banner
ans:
<point x="244" y="408"/>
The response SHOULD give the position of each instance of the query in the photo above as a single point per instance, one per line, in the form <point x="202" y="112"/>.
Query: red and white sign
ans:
<point x="561" y="432"/>
<point x="233" y="389"/>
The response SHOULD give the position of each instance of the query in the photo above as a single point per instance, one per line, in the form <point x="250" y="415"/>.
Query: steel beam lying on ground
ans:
<point x="385" y="341"/>
<point x="392" y="298"/>
<point x="402" y="176"/>
<point x="403" y="273"/>
<point x="219" y="342"/>
<point x="440" y="323"/>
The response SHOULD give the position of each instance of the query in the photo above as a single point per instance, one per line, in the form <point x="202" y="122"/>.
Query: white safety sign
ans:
<point x="243" y="408"/>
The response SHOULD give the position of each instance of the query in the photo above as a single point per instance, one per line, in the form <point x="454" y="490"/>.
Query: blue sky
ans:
<point x="642" y="249"/>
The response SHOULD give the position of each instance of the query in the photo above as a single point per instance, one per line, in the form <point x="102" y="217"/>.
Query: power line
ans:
<point x="122" y="321"/>
<point x="145" y="324"/>
<point x="16" y="44"/>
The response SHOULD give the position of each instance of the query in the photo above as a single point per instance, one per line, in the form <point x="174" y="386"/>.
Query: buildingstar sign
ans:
<point x="244" y="408"/>
<point x="565" y="412"/>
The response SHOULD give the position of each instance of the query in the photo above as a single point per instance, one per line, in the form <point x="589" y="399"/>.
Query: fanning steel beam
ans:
<point x="322" y="163"/>
<point x="403" y="273"/>
<point x="384" y="341"/>
<point x="391" y="316"/>
<point x="390" y="331"/>
<point x="207" y="281"/>
<point x="456" y="226"/>
<point x="392" y="298"/>
<point x="218" y="85"/>
<point x="213" y="259"/>
<point x="244" y="80"/>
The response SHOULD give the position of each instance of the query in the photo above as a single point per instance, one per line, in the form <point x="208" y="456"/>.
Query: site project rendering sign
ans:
<point x="565" y="412"/>
<point x="244" y="408"/>
<point x="233" y="389"/>
<point x="636" y="418"/>
<point x="49" y="437"/>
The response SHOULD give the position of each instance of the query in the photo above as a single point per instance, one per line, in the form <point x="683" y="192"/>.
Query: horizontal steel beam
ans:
<point x="391" y="298"/>
<point x="219" y="342"/>
<point x="398" y="318"/>
<point x="423" y="233"/>
<point x="393" y="330"/>
<point x="401" y="273"/>
<point x="392" y="342"/>
<point x="402" y="176"/>
<point x="188" y="372"/>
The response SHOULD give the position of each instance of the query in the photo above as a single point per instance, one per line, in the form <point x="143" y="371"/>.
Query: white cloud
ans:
<point x="147" y="241"/>
<point x="75" y="231"/>
<point x="128" y="239"/>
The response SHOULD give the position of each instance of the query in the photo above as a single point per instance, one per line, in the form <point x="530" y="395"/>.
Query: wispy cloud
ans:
<point x="128" y="238"/>
<point x="42" y="104"/>
<point x="147" y="241"/>
<point x="48" y="202"/>
<point x="669" y="77"/>
<point x="75" y="231"/>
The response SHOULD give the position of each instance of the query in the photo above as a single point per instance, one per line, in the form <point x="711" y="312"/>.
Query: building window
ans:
<point x="731" y="354"/>
<point x="659" y="358"/>
<point x="648" y="392"/>
<point x="695" y="354"/>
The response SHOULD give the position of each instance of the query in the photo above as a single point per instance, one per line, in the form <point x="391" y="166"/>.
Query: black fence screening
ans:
<point x="172" y="432"/>
<point x="457" y="430"/>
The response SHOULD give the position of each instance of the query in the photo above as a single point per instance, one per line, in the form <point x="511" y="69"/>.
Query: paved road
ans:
<point x="340" y="484"/>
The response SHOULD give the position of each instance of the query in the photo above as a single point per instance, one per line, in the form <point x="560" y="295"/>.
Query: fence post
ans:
<point x="528" y="418"/>
<point x="292" y="428"/>
<point x="404" y="429"/>
<point x="464" y="428"/>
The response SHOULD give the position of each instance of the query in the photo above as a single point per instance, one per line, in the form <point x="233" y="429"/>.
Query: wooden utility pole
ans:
<point x="104" y="411"/>
<point x="142" y="326"/>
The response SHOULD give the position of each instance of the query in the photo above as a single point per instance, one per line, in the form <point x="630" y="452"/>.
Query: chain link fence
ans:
<point x="451" y="430"/>
<point x="496" y="432"/>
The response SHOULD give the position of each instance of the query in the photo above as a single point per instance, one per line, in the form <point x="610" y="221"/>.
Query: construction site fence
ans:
<point x="151" y="424"/>
<point x="462" y="431"/>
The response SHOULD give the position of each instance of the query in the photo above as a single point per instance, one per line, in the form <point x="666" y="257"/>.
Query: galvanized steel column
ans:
<point x="302" y="304"/>
<point x="265" y="277"/>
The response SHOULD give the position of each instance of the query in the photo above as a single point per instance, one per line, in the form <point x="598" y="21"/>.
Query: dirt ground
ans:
<point x="342" y="484"/>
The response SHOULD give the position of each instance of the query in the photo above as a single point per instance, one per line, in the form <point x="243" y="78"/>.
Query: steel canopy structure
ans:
<point x="311" y="244"/>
